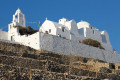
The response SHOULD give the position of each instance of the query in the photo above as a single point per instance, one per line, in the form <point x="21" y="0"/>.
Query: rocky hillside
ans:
<point x="18" y="62"/>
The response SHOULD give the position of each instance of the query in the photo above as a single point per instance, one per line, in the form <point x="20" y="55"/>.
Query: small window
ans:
<point x="91" y="27"/>
<point x="49" y="30"/>
<point x="11" y="38"/>
<point x="46" y="32"/>
<point x="93" y="31"/>
<point x="104" y="38"/>
<point x="16" y="16"/>
<point x="63" y="29"/>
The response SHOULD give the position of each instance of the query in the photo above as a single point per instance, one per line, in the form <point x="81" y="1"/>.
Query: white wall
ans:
<point x="55" y="29"/>
<point x="72" y="26"/>
<point x="85" y="29"/>
<point x="48" y="25"/>
<point x="93" y="34"/>
<point x="60" y="45"/>
<point x="65" y="34"/>
<point x="3" y="35"/>
<point x="30" y="40"/>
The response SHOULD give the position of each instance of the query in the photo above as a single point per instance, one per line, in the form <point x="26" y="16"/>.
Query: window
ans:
<point x="49" y="30"/>
<point x="93" y="31"/>
<point x="16" y="16"/>
<point x="104" y="38"/>
<point x="46" y="32"/>
<point x="63" y="29"/>
<point x="11" y="38"/>
<point x="91" y="27"/>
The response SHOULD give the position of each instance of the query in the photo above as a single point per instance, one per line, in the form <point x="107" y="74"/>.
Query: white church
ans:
<point x="76" y="31"/>
<point x="68" y="30"/>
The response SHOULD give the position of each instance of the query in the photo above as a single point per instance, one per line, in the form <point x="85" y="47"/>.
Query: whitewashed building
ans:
<point x="88" y="31"/>
<point x="54" y="28"/>
<point x="63" y="36"/>
<point x="76" y="31"/>
<point x="64" y="28"/>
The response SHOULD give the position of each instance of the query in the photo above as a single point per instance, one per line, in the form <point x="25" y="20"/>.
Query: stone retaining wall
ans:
<point x="18" y="62"/>
<point x="60" y="45"/>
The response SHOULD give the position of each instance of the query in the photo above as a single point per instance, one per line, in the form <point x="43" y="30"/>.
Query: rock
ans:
<point x="105" y="70"/>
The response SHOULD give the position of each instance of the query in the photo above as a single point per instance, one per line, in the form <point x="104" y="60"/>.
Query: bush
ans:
<point x="26" y="30"/>
<point x="93" y="43"/>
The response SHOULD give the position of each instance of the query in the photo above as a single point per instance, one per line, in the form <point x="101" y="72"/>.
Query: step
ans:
<point x="22" y="62"/>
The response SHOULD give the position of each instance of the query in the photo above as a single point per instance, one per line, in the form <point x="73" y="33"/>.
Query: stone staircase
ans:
<point x="18" y="62"/>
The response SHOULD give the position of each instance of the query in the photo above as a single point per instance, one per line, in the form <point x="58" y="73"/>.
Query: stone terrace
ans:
<point x="18" y="62"/>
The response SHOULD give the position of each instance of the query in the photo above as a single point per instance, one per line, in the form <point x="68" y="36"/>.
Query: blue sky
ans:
<point x="102" y="14"/>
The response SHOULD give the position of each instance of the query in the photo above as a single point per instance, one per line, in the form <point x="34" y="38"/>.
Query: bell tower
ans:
<point x="19" y="18"/>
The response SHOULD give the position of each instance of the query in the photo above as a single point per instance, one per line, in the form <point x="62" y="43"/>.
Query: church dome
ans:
<point x="83" y="24"/>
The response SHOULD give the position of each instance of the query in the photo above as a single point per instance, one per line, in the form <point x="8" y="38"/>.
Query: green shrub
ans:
<point x="93" y="43"/>
<point x="26" y="30"/>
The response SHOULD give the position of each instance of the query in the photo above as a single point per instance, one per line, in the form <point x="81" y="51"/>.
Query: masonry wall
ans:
<point x="60" y="45"/>
<point x="93" y="34"/>
<point x="3" y="35"/>
<point x="30" y="40"/>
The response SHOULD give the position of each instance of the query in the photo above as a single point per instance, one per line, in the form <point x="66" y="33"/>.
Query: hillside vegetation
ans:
<point x="93" y="43"/>
<point x="18" y="62"/>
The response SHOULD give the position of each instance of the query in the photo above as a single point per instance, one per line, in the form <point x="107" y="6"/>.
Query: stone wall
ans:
<point x="18" y="62"/>
<point x="60" y="45"/>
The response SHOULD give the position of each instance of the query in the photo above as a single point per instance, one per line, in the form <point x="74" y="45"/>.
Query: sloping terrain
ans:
<point x="18" y="62"/>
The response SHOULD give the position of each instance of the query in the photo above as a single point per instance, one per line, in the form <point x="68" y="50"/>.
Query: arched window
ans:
<point x="46" y="32"/>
